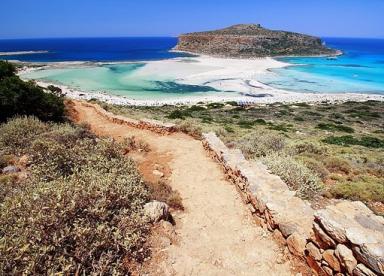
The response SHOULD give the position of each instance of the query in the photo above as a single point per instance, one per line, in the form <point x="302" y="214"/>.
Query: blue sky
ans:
<point x="97" y="18"/>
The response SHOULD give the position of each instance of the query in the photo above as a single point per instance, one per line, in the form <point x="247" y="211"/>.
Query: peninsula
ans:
<point x="252" y="40"/>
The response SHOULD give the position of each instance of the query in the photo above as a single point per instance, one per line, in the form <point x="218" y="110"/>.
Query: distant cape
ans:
<point x="252" y="40"/>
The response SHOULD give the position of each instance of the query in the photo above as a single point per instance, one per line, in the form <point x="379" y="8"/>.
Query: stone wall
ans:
<point x="152" y="125"/>
<point x="345" y="238"/>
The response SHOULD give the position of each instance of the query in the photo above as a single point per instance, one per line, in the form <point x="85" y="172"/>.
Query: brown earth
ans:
<point x="215" y="234"/>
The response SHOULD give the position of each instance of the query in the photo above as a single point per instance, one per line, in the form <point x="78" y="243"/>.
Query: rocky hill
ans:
<point x="251" y="40"/>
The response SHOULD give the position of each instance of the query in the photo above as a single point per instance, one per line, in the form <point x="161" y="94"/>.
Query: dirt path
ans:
<point x="216" y="232"/>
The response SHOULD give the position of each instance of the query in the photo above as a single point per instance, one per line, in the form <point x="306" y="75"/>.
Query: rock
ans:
<point x="346" y="258"/>
<point x="331" y="224"/>
<point x="327" y="270"/>
<point x="10" y="169"/>
<point x="322" y="239"/>
<point x="314" y="251"/>
<point x="158" y="173"/>
<point x="372" y="255"/>
<point x="296" y="244"/>
<point x="279" y="237"/>
<point x="332" y="261"/>
<point x="287" y="229"/>
<point x="156" y="211"/>
<point x="362" y="270"/>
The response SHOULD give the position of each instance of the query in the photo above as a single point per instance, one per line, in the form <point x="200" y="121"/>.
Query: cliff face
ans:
<point x="247" y="41"/>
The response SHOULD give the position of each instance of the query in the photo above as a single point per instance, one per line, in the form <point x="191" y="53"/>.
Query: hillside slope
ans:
<point x="250" y="40"/>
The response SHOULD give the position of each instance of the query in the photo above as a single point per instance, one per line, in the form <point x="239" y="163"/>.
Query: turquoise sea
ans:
<point x="360" y="69"/>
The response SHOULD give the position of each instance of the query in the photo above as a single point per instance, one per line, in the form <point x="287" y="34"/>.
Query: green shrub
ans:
<point x="229" y="129"/>
<point x="317" y="167"/>
<point x="246" y="124"/>
<point x="161" y="191"/>
<point x="348" y="140"/>
<point x="337" y="165"/>
<point x="26" y="98"/>
<point x="360" y="190"/>
<point x="90" y="221"/>
<point x="18" y="134"/>
<point x="215" y="105"/>
<point x="5" y="160"/>
<point x="256" y="145"/>
<point x="281" y="127"/>
<point x="81" y="209"/>
<point x="299" y="119"/>
<point x="295" y="174"/>
<point x="176" y="114"/>
<point x="260" y="122"/>
<point x="9" y="184"/>
<point x="190" y="128"/>
<point x="308" y="147"/>
<point x="194" y="108"/>
<point x="6" y="70"/>
<point x="333" y="127"/>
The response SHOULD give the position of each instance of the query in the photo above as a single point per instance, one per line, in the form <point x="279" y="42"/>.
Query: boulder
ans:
<point x="314" y="251"/>
<point x="372" y="255"/>
<point x="321" y="238"/>
<point x="156" y="211"/>
<point x="296" y="244"/>
<point x="11" y="169"/>
<point x="332" y="261"/>
<point x="346" y="258"/>
<point x="362" y="270"/>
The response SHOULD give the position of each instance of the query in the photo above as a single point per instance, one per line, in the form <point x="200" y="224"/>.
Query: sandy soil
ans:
<point x="216" y="233"/>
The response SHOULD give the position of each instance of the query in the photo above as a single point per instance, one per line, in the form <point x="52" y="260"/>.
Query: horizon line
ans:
<point x="157" y="36"/>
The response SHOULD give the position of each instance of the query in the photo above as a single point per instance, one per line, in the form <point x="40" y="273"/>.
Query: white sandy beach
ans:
<point x="237" y="75"/>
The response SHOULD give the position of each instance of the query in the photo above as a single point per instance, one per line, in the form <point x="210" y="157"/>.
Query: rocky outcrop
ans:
<point x="250" y="40"/>
<point x="346" y="238"/>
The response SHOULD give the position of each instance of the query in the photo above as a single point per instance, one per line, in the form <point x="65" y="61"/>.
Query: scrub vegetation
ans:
<point x="76" y="207"/>
<point x="333" y="150"/>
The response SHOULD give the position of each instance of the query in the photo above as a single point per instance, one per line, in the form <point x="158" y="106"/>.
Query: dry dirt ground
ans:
<point x="215" y="234"/>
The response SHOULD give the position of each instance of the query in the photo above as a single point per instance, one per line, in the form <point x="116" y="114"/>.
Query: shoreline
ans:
<point x="236" y="75"/>
<point x="17" y="53"/>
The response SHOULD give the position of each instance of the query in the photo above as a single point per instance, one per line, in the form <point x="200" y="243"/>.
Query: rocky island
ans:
<point x="252" y="40"/>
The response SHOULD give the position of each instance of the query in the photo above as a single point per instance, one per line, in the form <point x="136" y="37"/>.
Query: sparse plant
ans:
<point x="295" y="174"/>
<point x="261" y="144"/>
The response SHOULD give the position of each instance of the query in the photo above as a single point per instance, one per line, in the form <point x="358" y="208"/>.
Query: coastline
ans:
<point x="22" y="53"/>
<point x="223" y="74"/>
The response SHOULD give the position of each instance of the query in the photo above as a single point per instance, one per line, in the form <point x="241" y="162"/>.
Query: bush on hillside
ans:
<point x="26" y="98"/>
<point x="295" y="174"/>
<point x="18" y="134"/>
<point x="261" y="144"/>
<point x="365" y="190"/>
<point x="79" y="212"/>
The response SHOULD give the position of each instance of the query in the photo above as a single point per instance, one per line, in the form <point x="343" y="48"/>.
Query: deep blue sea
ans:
<point x="359" y="69"/>
<point x="92" y="49"/>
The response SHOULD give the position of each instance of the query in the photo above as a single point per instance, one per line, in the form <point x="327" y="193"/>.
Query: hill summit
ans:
<point x="252" y="40"/>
